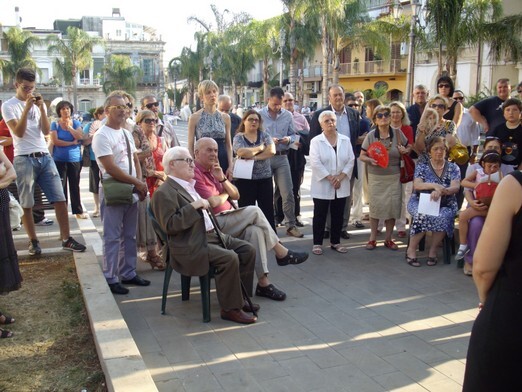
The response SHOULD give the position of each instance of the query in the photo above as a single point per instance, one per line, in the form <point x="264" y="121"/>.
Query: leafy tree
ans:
<point x="76" y="50"/>
<point x="20" y="44"/>
<point x="120" y="74"/>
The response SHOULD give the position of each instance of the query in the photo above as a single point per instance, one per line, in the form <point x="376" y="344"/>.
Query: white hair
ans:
<point x="171" y="154"/>
<point x="326" y="113"/>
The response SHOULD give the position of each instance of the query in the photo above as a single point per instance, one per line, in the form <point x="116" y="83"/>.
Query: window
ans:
<point x="148" y="71"/>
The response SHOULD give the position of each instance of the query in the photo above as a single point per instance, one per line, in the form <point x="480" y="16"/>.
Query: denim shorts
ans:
<point x="41" y="170"/>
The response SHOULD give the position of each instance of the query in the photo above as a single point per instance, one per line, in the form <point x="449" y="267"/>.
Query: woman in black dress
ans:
<point x="10" y="278"/>
<point x="494" y="356"/>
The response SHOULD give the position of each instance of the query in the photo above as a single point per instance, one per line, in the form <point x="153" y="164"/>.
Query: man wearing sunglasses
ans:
<point x="26" y="116"/>
<point x="112" y="145"/>
<point x="488" y="112"/>
<point x="163" y="129"/>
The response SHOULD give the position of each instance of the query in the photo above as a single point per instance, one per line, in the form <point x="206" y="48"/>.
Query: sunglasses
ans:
<point x="458" y="98"/>
<point x="150" y="121"/>
<point x="438" y="106"/>
<point x="118" y="107"/>
<point x="444" y="85"/>
<point x="251" y="119"/>
<point x="353" y="105"/>
<point x="382" y="115"/>
<point x="151" y="105"/>
<point x="190" y="161"/>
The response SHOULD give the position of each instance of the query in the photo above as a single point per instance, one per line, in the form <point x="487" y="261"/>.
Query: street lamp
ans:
<point x="396" y="9"/>
<point x="279" y="49"/>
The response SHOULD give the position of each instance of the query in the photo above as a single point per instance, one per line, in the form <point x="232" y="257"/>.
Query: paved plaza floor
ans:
<point x="362" y="321"/>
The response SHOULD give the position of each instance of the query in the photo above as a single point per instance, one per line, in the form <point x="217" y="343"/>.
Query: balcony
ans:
<point x="379" y="67"/>
<point x="87" y="82"/>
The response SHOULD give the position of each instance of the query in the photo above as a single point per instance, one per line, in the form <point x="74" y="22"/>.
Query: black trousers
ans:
<point x="260" y="191"/>
<point x="336" y="207"/>
<point x="70" y="176"/>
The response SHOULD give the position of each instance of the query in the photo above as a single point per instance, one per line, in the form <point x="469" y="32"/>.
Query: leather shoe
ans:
<point x="237" y="316"/>
<point x="345" y="235"/>
<point x="246" y="307"/>
<point x="292" y="258"/>
<point x="117" y="288"/>
<point x="137" y="280"/>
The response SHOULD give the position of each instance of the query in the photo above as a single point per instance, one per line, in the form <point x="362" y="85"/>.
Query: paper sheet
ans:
<point x="294" y="145"/>
<point x="428" y="206"/>
<point x="243" y="168"/>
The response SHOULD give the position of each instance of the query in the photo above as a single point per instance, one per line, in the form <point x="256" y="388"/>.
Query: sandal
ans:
<point x="432" y="261"/>
<point x="7" y="319"/>
<point x="390" y="245"/>
<point x="412" y="261"/>
<point x="4" y="333"/>
<point x="371" y="245"/>
<point x="156" y="262"/>
<point x="339" y="248"/>
<point x="317" y="250"/>
<point x="271" y="292"/>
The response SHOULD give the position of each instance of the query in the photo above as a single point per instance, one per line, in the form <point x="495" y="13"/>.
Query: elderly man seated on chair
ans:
<point x="248" y="223"/>
<point x="194" y="245"/>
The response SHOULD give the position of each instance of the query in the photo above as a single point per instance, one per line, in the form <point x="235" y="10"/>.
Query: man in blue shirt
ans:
<point x="279" y="124"/>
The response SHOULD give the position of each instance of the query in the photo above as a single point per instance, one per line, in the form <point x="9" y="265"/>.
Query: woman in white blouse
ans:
<point x="332" y="160"/>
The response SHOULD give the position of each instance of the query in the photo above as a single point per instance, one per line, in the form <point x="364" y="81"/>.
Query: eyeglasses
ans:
<point x="27" y="89"/>
<point x="151" y="105"/>
<point x="438" y="106"/>
<point x="118" y="107"/>
<point x="382" y="115"/>
<point x="190" y="161"/>
<point x="252" y="119"/>
<point x="444" y="85"/>
<point x="353" y="105"/>
<point x="458" y="98"/>
<point x="150" y="121"/>
<point x="129" y="105"/>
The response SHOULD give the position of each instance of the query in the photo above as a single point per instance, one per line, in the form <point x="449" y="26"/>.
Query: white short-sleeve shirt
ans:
<point x="109" y="141"/>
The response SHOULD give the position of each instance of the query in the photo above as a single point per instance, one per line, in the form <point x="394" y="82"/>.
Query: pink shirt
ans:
<point x="207" y="185"/>
<point x="300" y="122"/>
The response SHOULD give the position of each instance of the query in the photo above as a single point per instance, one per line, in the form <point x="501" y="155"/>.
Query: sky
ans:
<point x="169" y="18"/>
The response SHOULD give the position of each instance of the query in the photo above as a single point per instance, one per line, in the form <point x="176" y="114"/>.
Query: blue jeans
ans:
<point x="42" y="171"/>
<point x="119" y="240"/>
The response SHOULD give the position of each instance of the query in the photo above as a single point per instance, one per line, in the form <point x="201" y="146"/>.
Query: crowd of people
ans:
<point x="220" y="200"/>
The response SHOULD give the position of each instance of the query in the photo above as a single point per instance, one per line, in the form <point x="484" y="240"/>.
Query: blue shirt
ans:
<point x="282" y="126"/>
<point x="66" y="153"/>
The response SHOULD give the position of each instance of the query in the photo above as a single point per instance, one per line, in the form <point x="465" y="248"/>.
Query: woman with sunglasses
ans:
<point x="66" y="136"/>
<point x="433" y="124"/>
<point x="150" y="154"/>
<point x="210" y="122"/>
<point x="385" y="189"/>
<point x="252" y="143"/>
<point x="446" y="88"/>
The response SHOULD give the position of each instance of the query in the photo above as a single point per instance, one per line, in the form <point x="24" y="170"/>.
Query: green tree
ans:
<point x="76" y="50"/>
<point x="20" y="44"/>
<point x="120" y="74"/>
<point x="262" y="31"/>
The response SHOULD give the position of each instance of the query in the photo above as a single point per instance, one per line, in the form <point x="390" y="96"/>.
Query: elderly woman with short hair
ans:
<point x="331" y="160"/>
<point x="441" y="180"/>
<point x="383" y="182"/>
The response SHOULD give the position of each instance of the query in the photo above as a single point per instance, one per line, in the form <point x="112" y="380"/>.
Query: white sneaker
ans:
<point x="45" y="222"/>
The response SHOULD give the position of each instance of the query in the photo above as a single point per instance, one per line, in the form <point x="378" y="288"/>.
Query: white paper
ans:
<point x="243" y="168"/>
<point x="295" y="145"/>
<point x="428" y="206"/>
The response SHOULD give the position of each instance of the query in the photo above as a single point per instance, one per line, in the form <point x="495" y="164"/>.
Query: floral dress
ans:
<point x="422" y="223"/>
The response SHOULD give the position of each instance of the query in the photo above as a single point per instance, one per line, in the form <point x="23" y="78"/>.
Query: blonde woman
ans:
<point x="210" y="122"/>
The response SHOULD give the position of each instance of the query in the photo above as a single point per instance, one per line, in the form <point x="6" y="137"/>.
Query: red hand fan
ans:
<point x="377" y="151"/>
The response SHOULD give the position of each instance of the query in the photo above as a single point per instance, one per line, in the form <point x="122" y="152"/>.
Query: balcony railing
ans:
<point x="373" y="67"/>
<point x="87" y="82"/>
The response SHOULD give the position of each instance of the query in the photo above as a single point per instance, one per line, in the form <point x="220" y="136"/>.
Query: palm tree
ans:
<point x="76" y="49"/>
<point x="120" y="74"/>
<point x="189" y="65"/>
<point x="261" y="33"/>
<point x="20" y="44"/>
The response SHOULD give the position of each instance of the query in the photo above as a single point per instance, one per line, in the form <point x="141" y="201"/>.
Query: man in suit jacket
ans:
<point x="193" y="242"/>
<point x="348" y="121"/>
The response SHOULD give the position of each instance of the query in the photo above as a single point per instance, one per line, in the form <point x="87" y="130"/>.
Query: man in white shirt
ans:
<point x="26" y="116"/>
<point x="112" y="146"/>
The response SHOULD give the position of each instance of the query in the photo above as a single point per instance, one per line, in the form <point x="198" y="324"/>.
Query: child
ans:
<point x="489" y="170"/>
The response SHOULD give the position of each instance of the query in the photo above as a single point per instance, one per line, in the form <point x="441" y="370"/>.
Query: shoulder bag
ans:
<point x="117" y="192"/>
